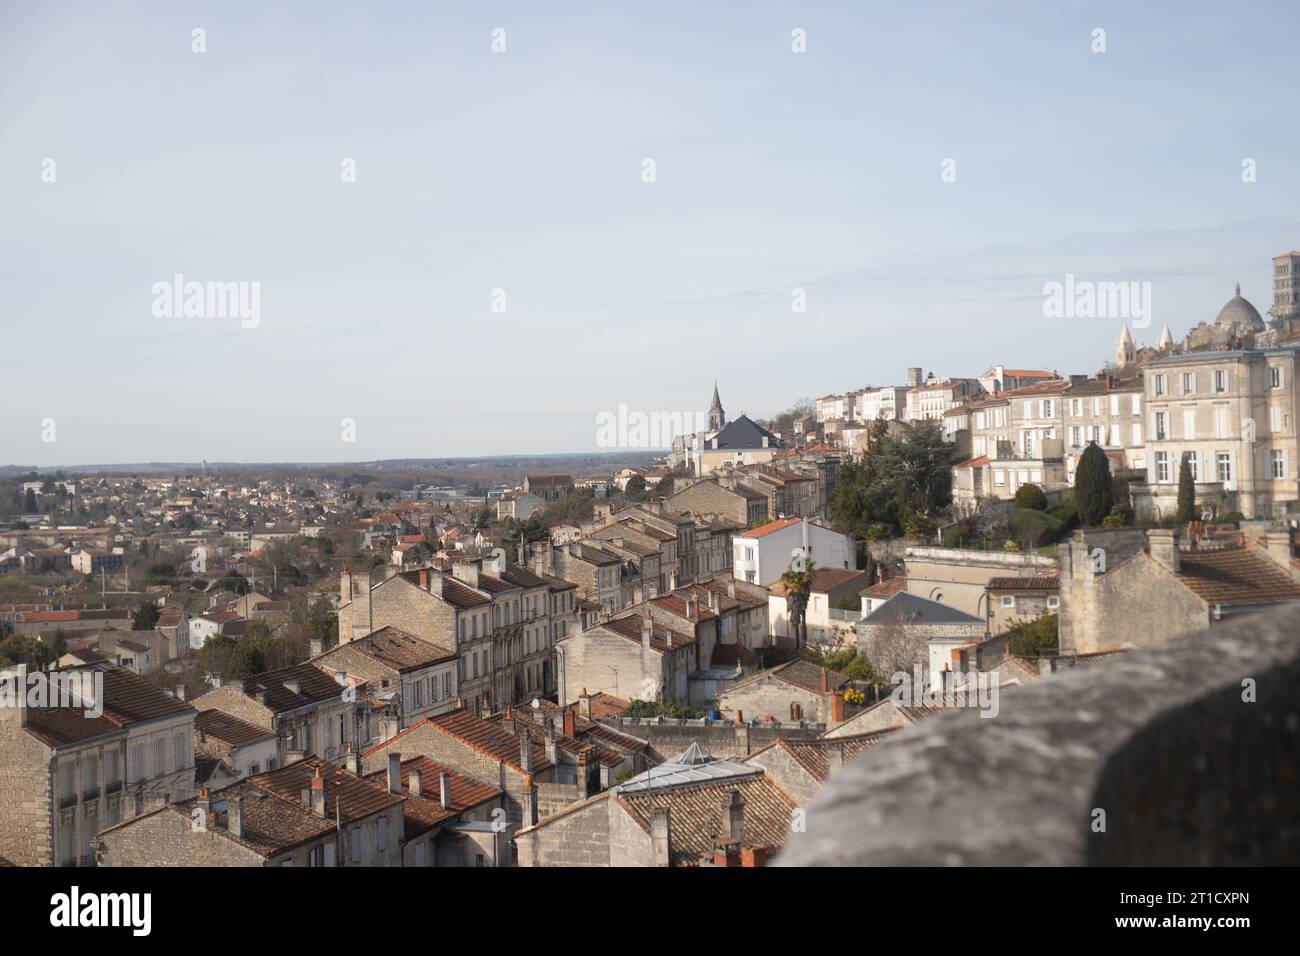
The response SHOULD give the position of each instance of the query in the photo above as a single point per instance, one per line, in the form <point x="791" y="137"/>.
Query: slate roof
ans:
<point x="1042" y="582"/>
<point x="908" y="608"/>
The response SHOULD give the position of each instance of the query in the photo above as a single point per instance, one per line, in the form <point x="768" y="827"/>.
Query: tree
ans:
<point x="1092" y="485"/>
<point x="1031" y="496"/>
<point x="29" y="502"/>
<point x="635" y="487"/>
<point x="1186" y="491"/>
<point x="797" y="581"/>
<point x="145" y="617"/>
<point x="1034" y="638"/>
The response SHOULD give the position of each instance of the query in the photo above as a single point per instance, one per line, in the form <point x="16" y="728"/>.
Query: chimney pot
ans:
<point x="444" y="790"/>
<point x="394" y="773"/>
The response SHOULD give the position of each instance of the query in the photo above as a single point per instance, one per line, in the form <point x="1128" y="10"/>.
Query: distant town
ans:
<point x="636" y="657"/>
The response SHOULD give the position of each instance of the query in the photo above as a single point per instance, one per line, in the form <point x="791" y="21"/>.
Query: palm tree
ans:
<point x="797" y="581"/>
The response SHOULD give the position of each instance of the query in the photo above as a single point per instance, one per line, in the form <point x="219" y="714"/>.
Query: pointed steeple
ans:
<point x="1166" y="339"/>
<point x="717" y="417"/>
<point x="1125" y="351"/>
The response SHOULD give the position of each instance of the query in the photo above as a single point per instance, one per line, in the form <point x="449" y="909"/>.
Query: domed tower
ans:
<point x="717" y="417"/>
<point x="1125" y="350"/>
<point x="1240" y="316"/>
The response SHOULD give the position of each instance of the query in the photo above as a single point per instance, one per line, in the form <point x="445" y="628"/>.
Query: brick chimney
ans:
<point x="826" y="683"/>
<point x="570" y="722"/>
<point x="415" y="783"/>
<point x="444" y="790"/>
<point x="318" y="794"/>
<point x="1163" y="545"/>
<point x="235" y="817"/>
<point x="394" y="773"/>
<point x="837" y="708"/>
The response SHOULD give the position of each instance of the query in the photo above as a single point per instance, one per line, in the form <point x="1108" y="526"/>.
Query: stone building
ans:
<point x="635" y="657"/>
<point x="1133" y="588"/>
<point x="310" y="711"/>
<point x="693" y="810"/>
<point x="246" y="749"/>
<point x="793" y="691"/>
<point x="309" y="813"/>
<point x="409" y="678"/>
<point x="67" y="772"/>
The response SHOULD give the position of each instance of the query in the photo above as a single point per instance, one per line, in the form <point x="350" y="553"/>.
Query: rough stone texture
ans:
<point x="1160" y="739"/>
<point x="576" y="836"/>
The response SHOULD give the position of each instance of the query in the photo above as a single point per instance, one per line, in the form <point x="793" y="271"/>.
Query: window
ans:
<point x="382" y="843"/>
<point x="356" y="844"/>
<point x="1275" y="377"/>
<point x="1162" y="466"/>
<point x="1137" y="434"/>
<point x="1008" y="600"/>
<point x="1048" y="408"/>
<point x="1161" y="386"/>
<point x="180" y="751"/>
<point x="1076" y="437"/>
<point x="1220" y="380"/>
<point x="1189" y="423"/>
<point x="1189" y="383"/>
<point x="1161" y="427"/>
<point x="1114" y="404"/>
<point x="159" y="756"/>
<point x="1053" y="602"/>
<point x="1220" y="423"/>
<point x="1223" y="464"/>
<point x="1275" y="418"/>
<point x="1137" y="404"/>
<point x="1194" y="463"/>
<point x="1278" y="463"/>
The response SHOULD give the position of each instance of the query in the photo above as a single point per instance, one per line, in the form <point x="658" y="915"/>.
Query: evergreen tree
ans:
<point x="1186" y="491"/>
<point x="1092" y="491"/>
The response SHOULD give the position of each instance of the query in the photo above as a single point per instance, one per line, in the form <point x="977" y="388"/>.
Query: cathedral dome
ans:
<point x="1241" y="313"/>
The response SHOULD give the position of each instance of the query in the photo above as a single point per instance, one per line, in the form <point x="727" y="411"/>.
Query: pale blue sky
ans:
<point x="521" y="171"/>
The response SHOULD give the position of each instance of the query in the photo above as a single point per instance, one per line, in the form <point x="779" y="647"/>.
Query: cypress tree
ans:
<point x="1092" y="491"/>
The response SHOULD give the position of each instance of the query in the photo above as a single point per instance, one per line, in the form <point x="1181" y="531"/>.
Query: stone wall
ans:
<point x="26" y="815"/>
<point x="1183" y="754"/>
<point x="577" y="836"/>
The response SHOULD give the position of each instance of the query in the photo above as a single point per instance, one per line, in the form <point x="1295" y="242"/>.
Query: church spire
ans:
<point x="717" y="417"/>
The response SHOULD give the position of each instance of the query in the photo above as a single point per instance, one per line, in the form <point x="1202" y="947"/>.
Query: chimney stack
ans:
<point x="415" y="783"/>
<point x="235" y="817"/>
<point x="552" y="753"/>
<point x="395" y="773"/>
<point x="318" y="794"/>
<point x="835" y="758"/>
<point x="647" y="631"/>
<point x="1163" y="545"/>
<point x="826" y="684"/>
<point x="1277" y="544"/>
<point x="733" y="817"/>
<point x="353" y="761"/>
<point x="526" y="751"/>
<point x="570" y="722"/>
<point x="584" y="706"/>
<point x="444" y="790"/>
<point x="660" y="837"/>
<point x="837" y="708"/>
